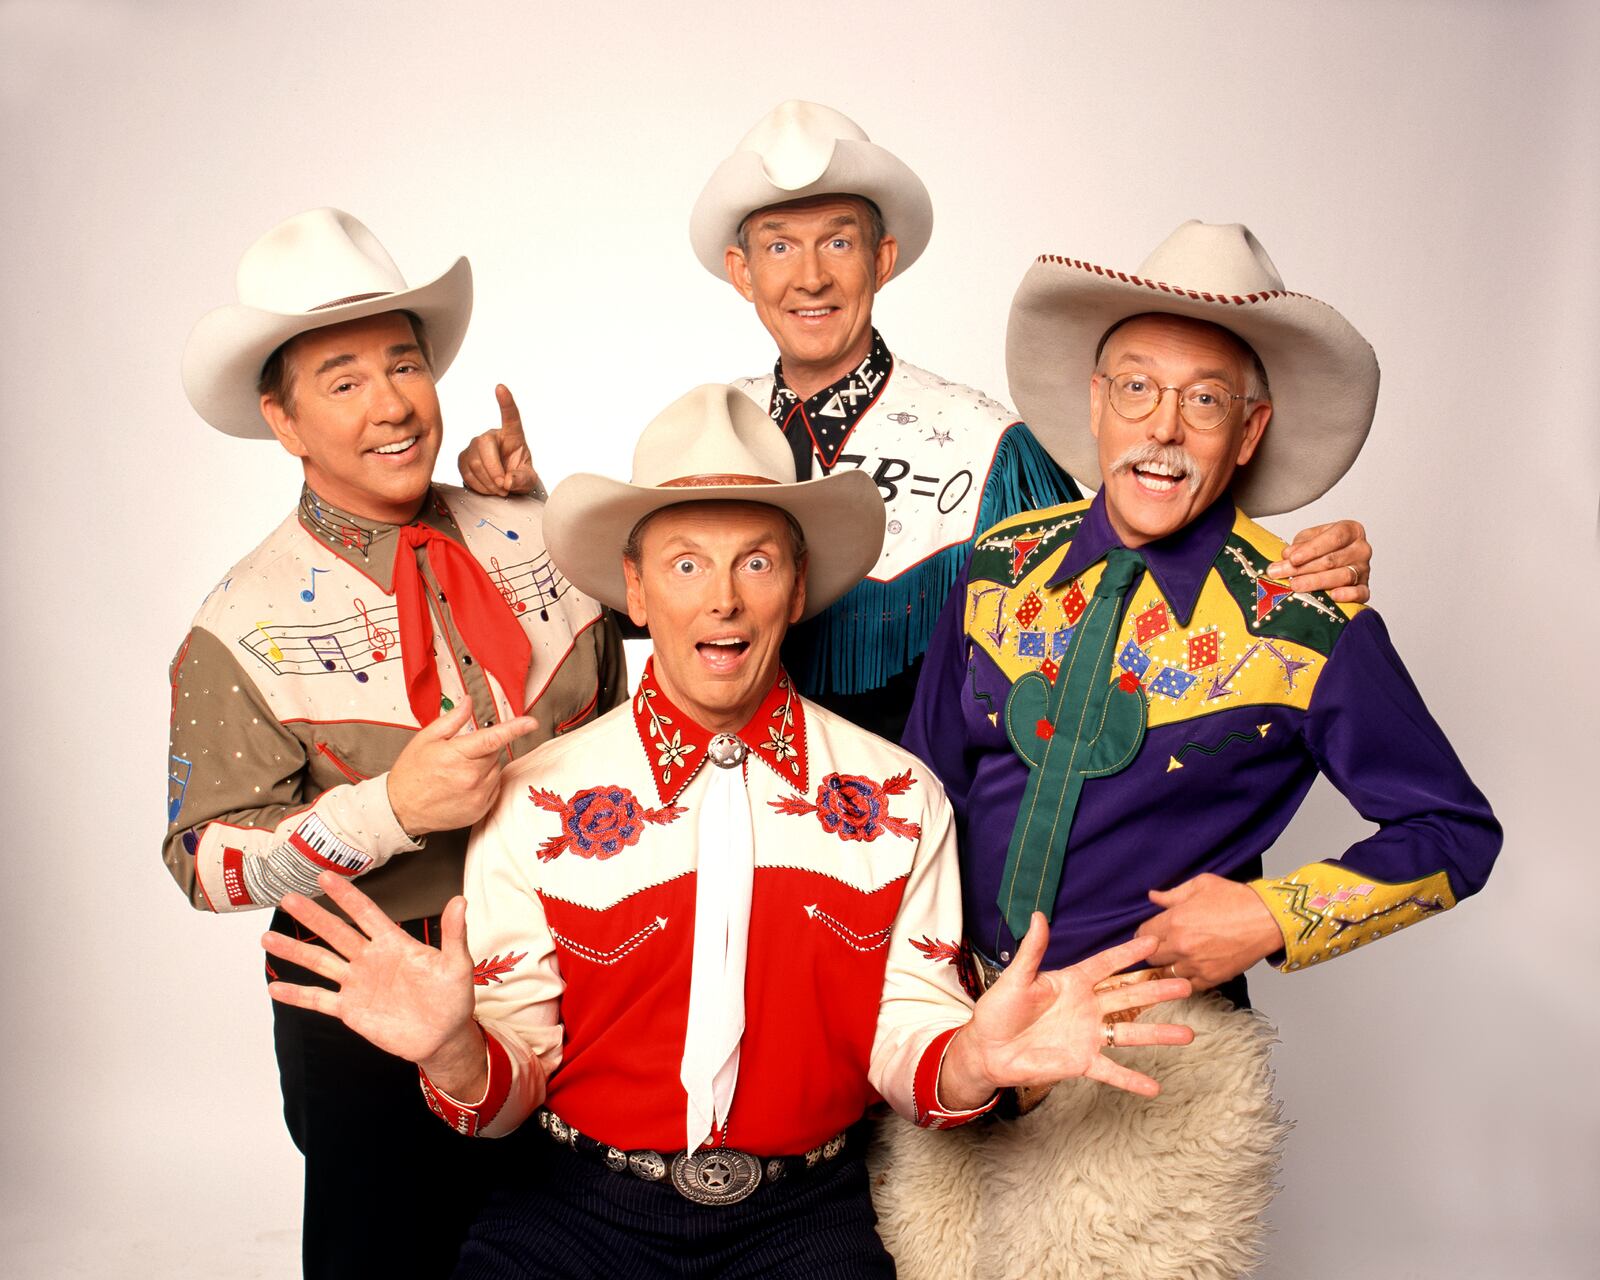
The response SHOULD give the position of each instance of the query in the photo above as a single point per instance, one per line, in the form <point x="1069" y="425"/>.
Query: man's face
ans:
<point x="812" y="275"/>
<point x="717" y="585"/>
<point x="1161" y="473"/>
<point x="362" y="415"/>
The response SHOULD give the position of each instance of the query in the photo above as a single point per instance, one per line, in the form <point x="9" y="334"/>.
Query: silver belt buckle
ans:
<point x="715" y="1176"/>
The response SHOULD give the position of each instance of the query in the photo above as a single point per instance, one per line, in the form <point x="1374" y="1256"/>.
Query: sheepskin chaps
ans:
<point x="1096" y="1182"/>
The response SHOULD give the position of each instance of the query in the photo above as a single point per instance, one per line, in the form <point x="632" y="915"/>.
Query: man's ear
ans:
<point x="738" y="268"/>
<point x="635" y="585"/>
<point x="1097" y="397"/>
<point x="797" y="600"/>
<point x="887" y="255"/>
<point x="1255" y="426"/>
<point x="282" y="426"/>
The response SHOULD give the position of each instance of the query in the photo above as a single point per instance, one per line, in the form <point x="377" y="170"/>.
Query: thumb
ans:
<point x="510" y="421"/>
<point x="447" y="725"/>
<point x="453" y="931"/>
<point x="1030" y="952"/>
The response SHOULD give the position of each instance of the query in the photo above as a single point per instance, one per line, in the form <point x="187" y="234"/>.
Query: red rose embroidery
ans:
<point x="599" y="822"/>
<point x="855" y="808"/>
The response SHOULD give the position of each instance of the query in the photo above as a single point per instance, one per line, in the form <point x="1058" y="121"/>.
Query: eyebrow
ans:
<point x="833" y="223"/>
<point x="336" y="362"/>
<point x="1215" y="375"/>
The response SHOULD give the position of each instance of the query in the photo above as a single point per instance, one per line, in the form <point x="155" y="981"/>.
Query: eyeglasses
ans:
<point x="1205" y="406"/>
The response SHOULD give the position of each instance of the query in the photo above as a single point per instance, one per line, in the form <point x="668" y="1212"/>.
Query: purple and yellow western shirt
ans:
<point x="1252" y="689"/>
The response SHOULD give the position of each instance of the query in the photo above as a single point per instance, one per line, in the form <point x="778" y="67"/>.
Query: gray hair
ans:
<point x="875" y="227"/>
<point x="1256" y="386"/>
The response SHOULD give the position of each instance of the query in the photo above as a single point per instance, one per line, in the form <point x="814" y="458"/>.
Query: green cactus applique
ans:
<point x="1081" y="726"/>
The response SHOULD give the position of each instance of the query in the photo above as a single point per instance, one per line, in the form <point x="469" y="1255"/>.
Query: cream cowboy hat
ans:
<point x="714" y="445"/>
<point x="317" y="268"/>
<point x="1323" y="375"/>
<point x="799" y="150"/>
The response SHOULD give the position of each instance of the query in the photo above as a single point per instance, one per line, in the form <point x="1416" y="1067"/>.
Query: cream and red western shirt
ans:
<point x="289" y="701"/>
<point x="581" y="889"/>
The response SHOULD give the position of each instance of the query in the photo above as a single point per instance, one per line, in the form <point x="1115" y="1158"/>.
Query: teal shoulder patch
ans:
<point x="1269" y="607"/>
<point x="999" y="554"/>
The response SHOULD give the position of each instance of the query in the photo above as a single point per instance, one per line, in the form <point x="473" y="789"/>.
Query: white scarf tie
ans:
<point x="726" y="870"/>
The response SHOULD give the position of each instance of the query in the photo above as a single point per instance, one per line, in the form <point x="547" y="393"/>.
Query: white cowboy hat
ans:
<point x="317" y="268"/>
<point x="714" y="445"/>
<point x="799" y="150"/>
<point x="1323" y="375"/>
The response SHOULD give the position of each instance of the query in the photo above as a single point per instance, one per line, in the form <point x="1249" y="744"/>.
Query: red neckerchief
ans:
<point x="490" y="629"/>
<point x="675" y="745"/>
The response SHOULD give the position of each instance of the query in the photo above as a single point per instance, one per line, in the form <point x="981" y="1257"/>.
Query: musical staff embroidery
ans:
<point x="509" y="533"/>
<point x="346" y="646"/>
<point x="379" y="639"/>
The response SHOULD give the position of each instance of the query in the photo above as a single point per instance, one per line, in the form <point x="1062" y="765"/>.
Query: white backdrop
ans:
<point x="1430" y="168"/>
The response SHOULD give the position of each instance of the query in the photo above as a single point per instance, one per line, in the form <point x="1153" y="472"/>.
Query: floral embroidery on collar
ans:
<point x="675" y="746"/>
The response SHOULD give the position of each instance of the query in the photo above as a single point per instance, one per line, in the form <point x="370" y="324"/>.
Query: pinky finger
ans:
<point x="317" y="999"/>
<point x="1116" y="1075"/>
<point x="1142" y="1033"/>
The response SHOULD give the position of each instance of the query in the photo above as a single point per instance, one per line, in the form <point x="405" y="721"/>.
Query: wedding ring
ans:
<point x="1110" y="1030"/>
<point x="1355" y="575"/>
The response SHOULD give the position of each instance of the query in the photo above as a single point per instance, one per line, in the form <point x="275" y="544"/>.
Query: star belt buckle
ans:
<point x="715" y="1176"/>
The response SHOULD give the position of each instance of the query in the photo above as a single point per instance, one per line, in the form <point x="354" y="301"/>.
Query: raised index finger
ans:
<point x="510" y="419"/>
<point x="491" y="741"/>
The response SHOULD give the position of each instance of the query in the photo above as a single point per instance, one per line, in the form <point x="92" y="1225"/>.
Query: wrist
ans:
<point x="460" y="1066"/>
<point x="408" y="822"/>
<point x="964" y="1083"/>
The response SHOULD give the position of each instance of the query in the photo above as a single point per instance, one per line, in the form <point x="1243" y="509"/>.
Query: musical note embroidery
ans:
<point x="379" y="639"/>
<point x="311" y="593"/>
<point x="273" y="652"/>
<point x="177" y="777"/>
<point x="325" y="647"/>
<point x="507" y="591"/>
<point x="509" y="533"/>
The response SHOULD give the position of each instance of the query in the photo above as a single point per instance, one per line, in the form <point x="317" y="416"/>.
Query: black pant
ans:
<point x="568" y="1216"/>
<point x="390" y="1188"/>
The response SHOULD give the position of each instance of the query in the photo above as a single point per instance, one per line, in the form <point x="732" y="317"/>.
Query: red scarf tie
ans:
<point x="490" y="629"/>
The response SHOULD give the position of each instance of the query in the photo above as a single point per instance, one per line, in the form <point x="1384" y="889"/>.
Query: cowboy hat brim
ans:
<point x="740" y="186"/>
<point x="227" y="347"/>
<point x="1323" y="373"/>
<point x="588" y="519"/>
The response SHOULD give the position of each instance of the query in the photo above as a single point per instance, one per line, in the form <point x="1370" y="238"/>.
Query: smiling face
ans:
<point x="360" y="410"/>
<point x="1160" y="474"/>
<point x="811" y="271"/>
<point x="718" y="586"/>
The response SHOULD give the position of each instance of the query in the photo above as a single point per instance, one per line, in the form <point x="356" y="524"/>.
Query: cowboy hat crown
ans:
<point x="318" y="268"/>
<point x="803" y="149"/>
<point x="714" y="444"/>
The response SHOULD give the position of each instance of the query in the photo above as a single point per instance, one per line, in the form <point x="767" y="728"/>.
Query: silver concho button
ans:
<point x="616" y="1160"/>
<point x="716" y="1176"/>
<point x="726" y="751"/>
<point x="647" y="1165"/>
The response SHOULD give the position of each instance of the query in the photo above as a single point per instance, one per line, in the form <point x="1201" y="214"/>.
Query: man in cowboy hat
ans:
<point x="1126" y="707"/>
<point x="809" y="219"/>
<point x="707" y="930"/>
<point x="324" y="699"/>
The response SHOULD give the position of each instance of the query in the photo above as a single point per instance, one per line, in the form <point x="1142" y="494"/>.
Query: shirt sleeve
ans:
<point x="1437" y="838"/>
<point x="245" y="825"/>
<point x="923" y="1003"/>
<point x="1025" y="478"/>
<point x="612" y="663"/>
<point x="517" y="980"/>
<point x="934" y="731"/>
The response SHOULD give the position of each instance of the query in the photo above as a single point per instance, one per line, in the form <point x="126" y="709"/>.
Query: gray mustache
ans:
<point x="1174" y="456"/>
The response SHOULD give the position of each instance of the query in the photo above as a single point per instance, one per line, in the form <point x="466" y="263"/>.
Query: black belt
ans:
<point x="711" y="1175"/>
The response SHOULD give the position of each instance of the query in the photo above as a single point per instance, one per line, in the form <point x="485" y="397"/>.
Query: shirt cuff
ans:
<point x="927" y="1111"/>
<point x="1326" y="909"/>
<point x="470" y="1117"/>
<point x="366" y="813"/>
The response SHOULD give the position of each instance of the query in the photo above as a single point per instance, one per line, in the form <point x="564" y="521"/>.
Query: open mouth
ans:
<point x="1158" y="478"/>
<point x="398" y="447"/>
<point x="813" y="313"/>
<point x="723" y="652"/>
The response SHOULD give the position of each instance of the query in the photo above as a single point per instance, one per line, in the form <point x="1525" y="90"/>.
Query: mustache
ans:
<point x="1172" y="456"/>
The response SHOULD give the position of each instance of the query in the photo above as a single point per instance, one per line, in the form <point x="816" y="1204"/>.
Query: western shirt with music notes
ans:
<point x="289" y="701"/>
<point x="1251" y="690"/>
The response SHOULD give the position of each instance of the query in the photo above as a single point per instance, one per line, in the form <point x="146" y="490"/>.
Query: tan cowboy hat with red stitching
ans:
<point x="317" y="268"/>
<point x="799" y="150"/>
<point x="714" y="445"/>
<point x="1323" y="375"/>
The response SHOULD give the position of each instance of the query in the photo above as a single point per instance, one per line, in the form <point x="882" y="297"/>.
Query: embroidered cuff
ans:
<point x="470" y="1117"/>
<point x="1326" y="909"/>
<point x="928" y="1111"/>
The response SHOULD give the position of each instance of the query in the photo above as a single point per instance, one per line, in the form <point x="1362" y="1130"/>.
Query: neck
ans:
<point x="369" y="506"/>
<point x="805" y="378"/>
<point x="718" y="718"/>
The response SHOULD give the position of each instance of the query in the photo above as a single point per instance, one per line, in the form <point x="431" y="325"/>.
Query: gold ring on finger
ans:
<point x="1355" y="575"/>
<point x="1110" y="1031"/>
